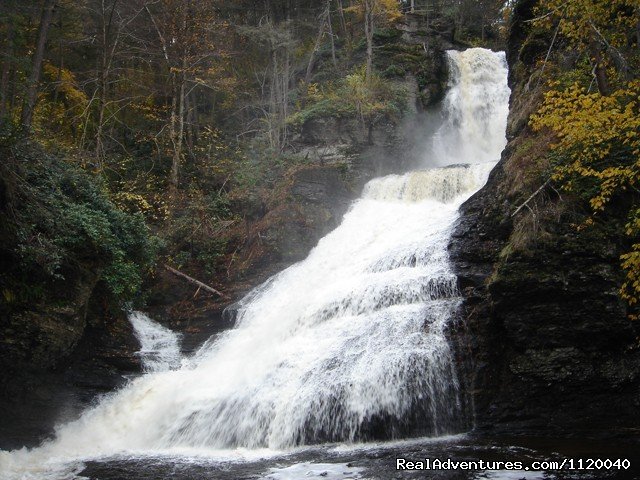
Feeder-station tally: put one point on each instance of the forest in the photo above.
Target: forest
(414, 218)
(130, 128)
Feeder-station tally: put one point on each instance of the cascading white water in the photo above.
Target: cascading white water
(159, 346)
(476, 109)
(350, 343)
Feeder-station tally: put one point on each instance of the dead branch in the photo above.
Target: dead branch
(526, 202)
(618, 58)
(198, 283)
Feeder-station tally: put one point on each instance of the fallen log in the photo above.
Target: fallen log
(189, 279)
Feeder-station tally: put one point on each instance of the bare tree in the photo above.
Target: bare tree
(275, 79)
(368, 32)
(324, 19)
(113, 22)
(186, 30)
(31, 97)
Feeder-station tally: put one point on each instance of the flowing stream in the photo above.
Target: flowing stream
(348, 345)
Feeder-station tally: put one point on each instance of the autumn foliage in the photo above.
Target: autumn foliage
(596, 120)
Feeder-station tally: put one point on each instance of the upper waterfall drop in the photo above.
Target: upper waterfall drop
(349, 344)
(475, 109)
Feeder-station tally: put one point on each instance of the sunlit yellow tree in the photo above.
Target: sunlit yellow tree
(604, 29)
(597, 152)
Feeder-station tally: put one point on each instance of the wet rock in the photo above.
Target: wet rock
(37, 395)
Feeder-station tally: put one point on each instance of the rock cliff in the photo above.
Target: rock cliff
(547, 342)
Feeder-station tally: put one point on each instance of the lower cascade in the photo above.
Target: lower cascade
(350, 344)
(159, 346)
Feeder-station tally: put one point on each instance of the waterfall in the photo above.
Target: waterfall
(475, 109)
(347, 345)
(159, 346)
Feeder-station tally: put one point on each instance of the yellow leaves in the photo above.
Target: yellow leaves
(586, 23)
(130, 202)
(389, 8)
(8, 296)
(597, 203)
(631, 265)
(148, 111)
(634, 224)
(577, 15)
(370, 96)
(589, 121)
(66, 85)
(599, 141)
(313, 92)
(630, 290)
(386, 10)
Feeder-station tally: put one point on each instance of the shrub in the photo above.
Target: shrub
(354, 97)
(60, 220)
(597, 156)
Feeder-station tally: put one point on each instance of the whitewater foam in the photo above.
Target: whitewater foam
(346, 345)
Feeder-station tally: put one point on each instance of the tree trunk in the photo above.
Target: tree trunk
(343, 23)
(60, 64)
(6, 71)
(190, 126)
(106, 59)
(333, 43)
(178, 122)
(192, 280)
(347, 33)
(316, 47)
(368, 31)
(173, 130)
(286, 74)
(600, 70)
(31, 98)
(178, 117)
(274, 133)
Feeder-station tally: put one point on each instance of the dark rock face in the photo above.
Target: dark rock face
(546, 342)
(42, 336)
(38, 392)
(310, 204)
(551, 349)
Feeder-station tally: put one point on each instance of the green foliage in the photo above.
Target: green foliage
(582, 20)
(62, 221)
(198, 236)
(394, 71)
(330, 107)
(593, 109)
(109, 105)
(386, 34)
(353, 97)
